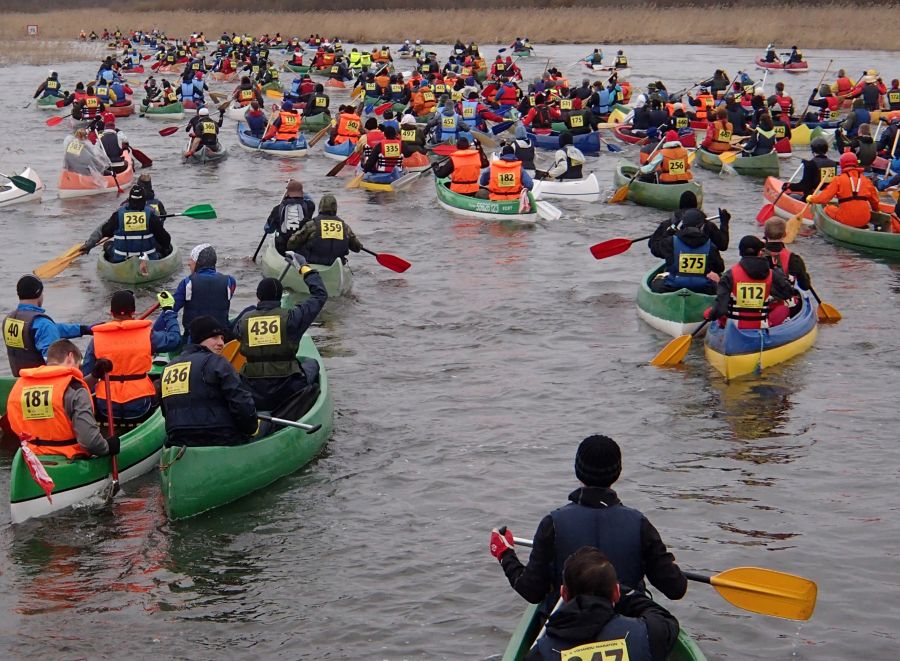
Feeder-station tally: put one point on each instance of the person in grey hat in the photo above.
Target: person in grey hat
(594, 517)
(205, 291)
(289, 215)
(28, 331)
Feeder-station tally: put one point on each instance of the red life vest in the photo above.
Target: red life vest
(391, 155)
(749, 304)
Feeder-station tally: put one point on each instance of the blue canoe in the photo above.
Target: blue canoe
(339, 152)
(283, 148)
(735, 353)
(589, 143)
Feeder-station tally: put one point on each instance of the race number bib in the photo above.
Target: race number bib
(827, 174)
(289, 120)
(408, 135)
(677, 166)
(427, 96)
(893, 97)
(321, 102)
(723, 136)
(371, 87)
(834, 115)
(332, 229)
(208, 128)
(610, 650)
(335, 69)
(246, 95)
(390, 150)
(135, 221)
(264, 331)
(692, 264)
(468, 112)
(750, 295)
(353, 125)
(565, 104)
(576, 121)
(681, 122)
(91, 102)
(176, 379)
(448, 122)
(75, 148)
(500, 67)
(195, 66)
(14, 333)
(779, 132)
(439, 88)
(36, 402)
(396, 89)
(506, 180)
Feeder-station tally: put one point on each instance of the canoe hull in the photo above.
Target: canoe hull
(884, 244)
(134, 271)
(793, 67)
(659, 196)
(751, 166)
(123, 110)
(338, 278)
(10, 194)
(586, 190)
(79, 185)
(473, 207)
(283, 148)
(675, 313)
(171, 111)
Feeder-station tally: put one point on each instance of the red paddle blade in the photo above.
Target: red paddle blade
(392, 262)
(384, 106)
(53, 121)
(169, 130)
(354, 158)
(767, 211)
(60, 104)
(609, 248)
(141, 157)
(443, 150)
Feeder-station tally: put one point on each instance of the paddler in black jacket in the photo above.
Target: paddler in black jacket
(718, 235)
(594, 517)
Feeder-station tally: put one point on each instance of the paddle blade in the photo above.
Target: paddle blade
(384, 106)
(354, 158)
(728, 157)
(501, 127)
(673, 353)
(169, 130)
(232, 353)
(767, 211)
(22, 183)
(609, 248)
(141, 158)
(767, 592)
(55, 120)
(58, 264)
(619, 195)
(333, 172)
(355, 182)
(443, 150)
(200, 212)
(547, 211)
(792, 228)
(827, 314)
(612, 148)
(392, 262)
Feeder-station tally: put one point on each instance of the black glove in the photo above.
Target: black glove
(102, 367)
(114, 445)
(86, 330)
(724, 216)
(785, 186)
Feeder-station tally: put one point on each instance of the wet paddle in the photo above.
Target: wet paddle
(141, 157)
(622, 192)
(792, 227)
(169, 130)
(309, 429)
(352, 159)
(389, 261)
(21, 183)
(675, 351)
(613, 247)
(802, 115)
(198, 211)
(259, 247)
(110, 425)
(826, 314)
(319, 135)
(57, 119)
(754, 589)
(768, 210)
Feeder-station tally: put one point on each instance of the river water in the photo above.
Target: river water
(462, 389)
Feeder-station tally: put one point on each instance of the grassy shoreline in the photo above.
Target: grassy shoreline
(845, 27)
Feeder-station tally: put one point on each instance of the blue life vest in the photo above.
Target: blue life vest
(102, 92)
(862, 117)
(119, 90)
(689, 266)
(209, 296)
(630, 630)
(187, 90)
(295, 86)
(605, 100)
(51, 88)
(448, 126)
(470, 111)
(135, 59)
(133, 235)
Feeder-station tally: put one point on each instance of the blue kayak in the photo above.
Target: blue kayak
(589, 143)
(284, 148)
(341, 151)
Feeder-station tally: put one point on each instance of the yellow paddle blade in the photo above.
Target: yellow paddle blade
(59, 264)
(792, 227)
(619, 196)
(617, 116)
(767, 592)
(274, 94)
(692, 155)
(358, 92)
(673, 353)
(354, 183)
(729, 156)
(827, 314)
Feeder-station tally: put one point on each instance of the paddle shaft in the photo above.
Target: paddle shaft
(111, 427)
(784, 190)
(309, 429)
(802, 115)
(259, 247)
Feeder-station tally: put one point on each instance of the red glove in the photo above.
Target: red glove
(707, 314)
(501, 542)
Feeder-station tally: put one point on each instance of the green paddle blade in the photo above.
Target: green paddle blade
(200, 211)
(26, 185)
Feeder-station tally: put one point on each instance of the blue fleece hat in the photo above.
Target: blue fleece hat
(287, 105)
(652, 132)
(521, 133)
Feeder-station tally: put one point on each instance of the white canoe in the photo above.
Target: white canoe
(10, 194)
(236, 113)
(586, 190)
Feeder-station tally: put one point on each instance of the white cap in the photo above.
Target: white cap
(195, 252)
(408, 119)
(418, 41)
(759, 91)
(203, 112)
(678, 106)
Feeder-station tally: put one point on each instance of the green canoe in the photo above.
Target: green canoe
(338, 278)
(527, 630)
(528, 52)
(676, 313)
(48, 102)
(751, 166)
(134, 271)
(474, 207)
(77, 480)
(658, 196)
(171, 111)
(198, 479)
(301, 69)
(884, 244)
(315, 123)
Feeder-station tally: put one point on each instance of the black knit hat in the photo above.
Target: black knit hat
(750, 246)
(122, 302)
(205, 327)
(598, 461)
(269, 289)
(28, 287)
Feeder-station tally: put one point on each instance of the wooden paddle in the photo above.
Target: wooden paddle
(389, 261)
(754, 589)
(353, 159)
(612, 247)
(110, 425)
(22, 183)
(319, 135)
(622, 192)
(768, 210)
(59, 264)
(232, 353)
(675, 351)
(355, 182)
(826, 314)
(795, 222)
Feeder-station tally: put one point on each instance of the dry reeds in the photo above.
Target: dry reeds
(844, 27)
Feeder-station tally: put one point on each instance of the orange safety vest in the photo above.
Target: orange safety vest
(706, 102)
(505, 181)
(127, 345)
(347, 128)
(245, 96)
(749, 303)
(722, 132)
(289, 126)
(466, 170)
(35, 407)
(675, 166)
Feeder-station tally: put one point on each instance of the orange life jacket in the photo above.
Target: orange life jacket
(505, 181)
(675, 166)
(466, 171)
(245, 96)
(347, 128)
(749, 304)
(722, 132)
(35, 407)
(706, 103)
(289, 126)
(127, 345)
